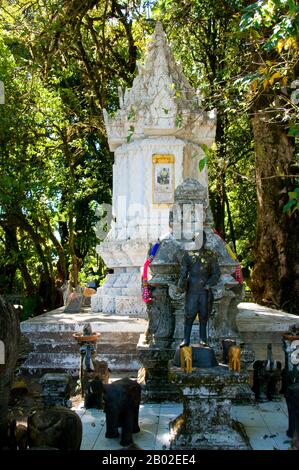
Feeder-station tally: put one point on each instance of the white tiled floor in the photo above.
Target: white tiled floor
(265, 424)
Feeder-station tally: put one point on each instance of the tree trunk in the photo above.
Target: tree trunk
(230, 223)
(10, 336)
(61, 264)
(218, 197)
(275, 274)
(217, 207)
(75, 264)
(10, 268)
(11, 233)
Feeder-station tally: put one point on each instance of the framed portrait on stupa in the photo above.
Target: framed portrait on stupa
(163, 178)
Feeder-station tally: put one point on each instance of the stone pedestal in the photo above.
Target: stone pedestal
(56, 389)
(153, 375)
(206, 421)
(121, 292)
(202, 357)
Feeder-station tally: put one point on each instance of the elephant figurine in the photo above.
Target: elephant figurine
(121, 405)
(58, 428)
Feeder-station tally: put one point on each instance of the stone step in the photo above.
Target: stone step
(51, 361)
(57, 321)
(64, 342)
(55, 349)
(61, 347)
(58, 361)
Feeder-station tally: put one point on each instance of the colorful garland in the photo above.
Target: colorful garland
(238, 271)
(145, 287)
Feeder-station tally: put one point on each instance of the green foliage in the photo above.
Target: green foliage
(30, 306)
(131, 133)
(178, 121)
(293, 204)
(92, 270)
(131, 114)
(62, 64)
(273, 29)
(54, 155)
(207, 41)
(294, 130)
(202, 163)
(280, 17)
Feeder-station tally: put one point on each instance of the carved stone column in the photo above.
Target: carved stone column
(178, 306)
(156, 347)
(154, 375)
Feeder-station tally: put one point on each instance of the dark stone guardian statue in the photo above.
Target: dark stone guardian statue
(199, 272)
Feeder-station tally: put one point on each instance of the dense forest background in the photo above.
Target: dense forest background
(62, 61)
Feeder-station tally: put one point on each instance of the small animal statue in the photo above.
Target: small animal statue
(87, 355)
(16, 436)
(226, 344)
(121, 405)
(234, 358)
(93, 395)
(266, 377)
(59, 428)
(66, 290)
(87, 331)
(186, 359)
(101, 371)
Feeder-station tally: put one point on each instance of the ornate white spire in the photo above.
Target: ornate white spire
(160, 102)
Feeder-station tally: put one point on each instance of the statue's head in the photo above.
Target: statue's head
(198, 241)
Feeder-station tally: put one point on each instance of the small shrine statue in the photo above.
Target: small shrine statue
(87, 331)
(199, 272)
(266, 378)
(87, 349)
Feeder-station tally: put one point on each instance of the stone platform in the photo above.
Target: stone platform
(261, 325)
(54, 348)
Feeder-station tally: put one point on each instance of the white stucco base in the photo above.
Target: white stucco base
(120, 294)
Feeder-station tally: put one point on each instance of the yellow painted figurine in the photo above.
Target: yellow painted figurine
(234, 356)
(186, 359)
